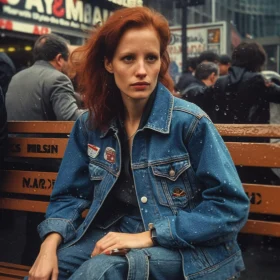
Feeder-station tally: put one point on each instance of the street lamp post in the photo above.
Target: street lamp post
(184, 4)
(184, 35)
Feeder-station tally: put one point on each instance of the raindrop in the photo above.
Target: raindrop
(217, 108)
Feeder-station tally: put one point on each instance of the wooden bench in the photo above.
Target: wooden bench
(29, 190)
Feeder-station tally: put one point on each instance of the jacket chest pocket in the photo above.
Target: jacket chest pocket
(172, 184)
(97, 175)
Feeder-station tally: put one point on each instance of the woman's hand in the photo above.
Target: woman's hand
(118, 240)
(46, 265)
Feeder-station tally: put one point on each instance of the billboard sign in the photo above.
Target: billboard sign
(70, 14)
(200, 37)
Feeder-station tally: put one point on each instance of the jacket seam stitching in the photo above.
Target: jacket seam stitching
(216, 265)
(182, 109)
(155, 163)
(191, 131)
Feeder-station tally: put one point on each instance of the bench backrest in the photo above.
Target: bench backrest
(30, 190)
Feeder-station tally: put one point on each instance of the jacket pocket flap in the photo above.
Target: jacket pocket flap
(171, 170)
(96, 172)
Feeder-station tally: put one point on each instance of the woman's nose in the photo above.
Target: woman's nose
(141, 68)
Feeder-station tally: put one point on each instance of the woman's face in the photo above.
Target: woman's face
(136, 63)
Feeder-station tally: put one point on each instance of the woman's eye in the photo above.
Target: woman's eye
(128, 58)
(152, 58)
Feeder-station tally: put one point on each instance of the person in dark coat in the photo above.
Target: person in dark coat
(7, 70)
(208, 56)
(187, 78)
(225, 63)
(206, 75)
(3, 128)
(243, 95)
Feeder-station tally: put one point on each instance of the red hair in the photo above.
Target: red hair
(102, 97)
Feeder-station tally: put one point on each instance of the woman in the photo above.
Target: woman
(152, 169)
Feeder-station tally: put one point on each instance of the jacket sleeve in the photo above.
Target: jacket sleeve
(224, 207)
(273, 93)
(63, 100)
(73, 190)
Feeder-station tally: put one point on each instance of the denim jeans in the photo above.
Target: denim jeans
(150, 263)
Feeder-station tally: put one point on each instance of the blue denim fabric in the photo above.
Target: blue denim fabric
(178, 151)
(160, 263)
(150, 263)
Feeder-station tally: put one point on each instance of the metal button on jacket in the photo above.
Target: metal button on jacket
(171, 173)
(144, 199)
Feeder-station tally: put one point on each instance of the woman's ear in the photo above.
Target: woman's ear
(108, 65)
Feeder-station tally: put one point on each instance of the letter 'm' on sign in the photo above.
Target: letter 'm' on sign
(74, 11)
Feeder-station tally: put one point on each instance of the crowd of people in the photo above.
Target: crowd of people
(155, 201)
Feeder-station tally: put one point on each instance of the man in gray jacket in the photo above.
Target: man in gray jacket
(43, 91)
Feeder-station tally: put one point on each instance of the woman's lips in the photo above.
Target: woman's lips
(140, 86)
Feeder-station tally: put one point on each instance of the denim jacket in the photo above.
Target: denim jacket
(186, 185)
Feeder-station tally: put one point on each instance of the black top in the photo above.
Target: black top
(122, 199)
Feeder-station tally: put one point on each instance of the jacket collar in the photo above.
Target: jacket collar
(160, 116)
(44, 63)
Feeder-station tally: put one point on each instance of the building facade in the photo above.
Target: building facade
(248, 19)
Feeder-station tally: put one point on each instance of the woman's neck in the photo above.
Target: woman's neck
(133, 111)
(132, 116)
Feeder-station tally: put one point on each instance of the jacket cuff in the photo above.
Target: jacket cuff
(62, 226)
(166, 234)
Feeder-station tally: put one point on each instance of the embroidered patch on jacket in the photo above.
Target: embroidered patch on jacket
(177, 192)
(110, 155)
(93, 151)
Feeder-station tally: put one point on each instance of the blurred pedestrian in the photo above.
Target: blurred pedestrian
(225, 63)
(208, 56)
(43, 91)
(3, 128)
(187, 77)
(6, 217)
(206, 75)
(165, 200)
(7, 70)
(243, 97)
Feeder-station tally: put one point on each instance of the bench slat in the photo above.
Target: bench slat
(37, 147)
(64, 127)
(15, 266)
(249, 130)
(255, 154)
(262, 228)
(28, 182)
(12, 272)
(3, 277)
(23, 205)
